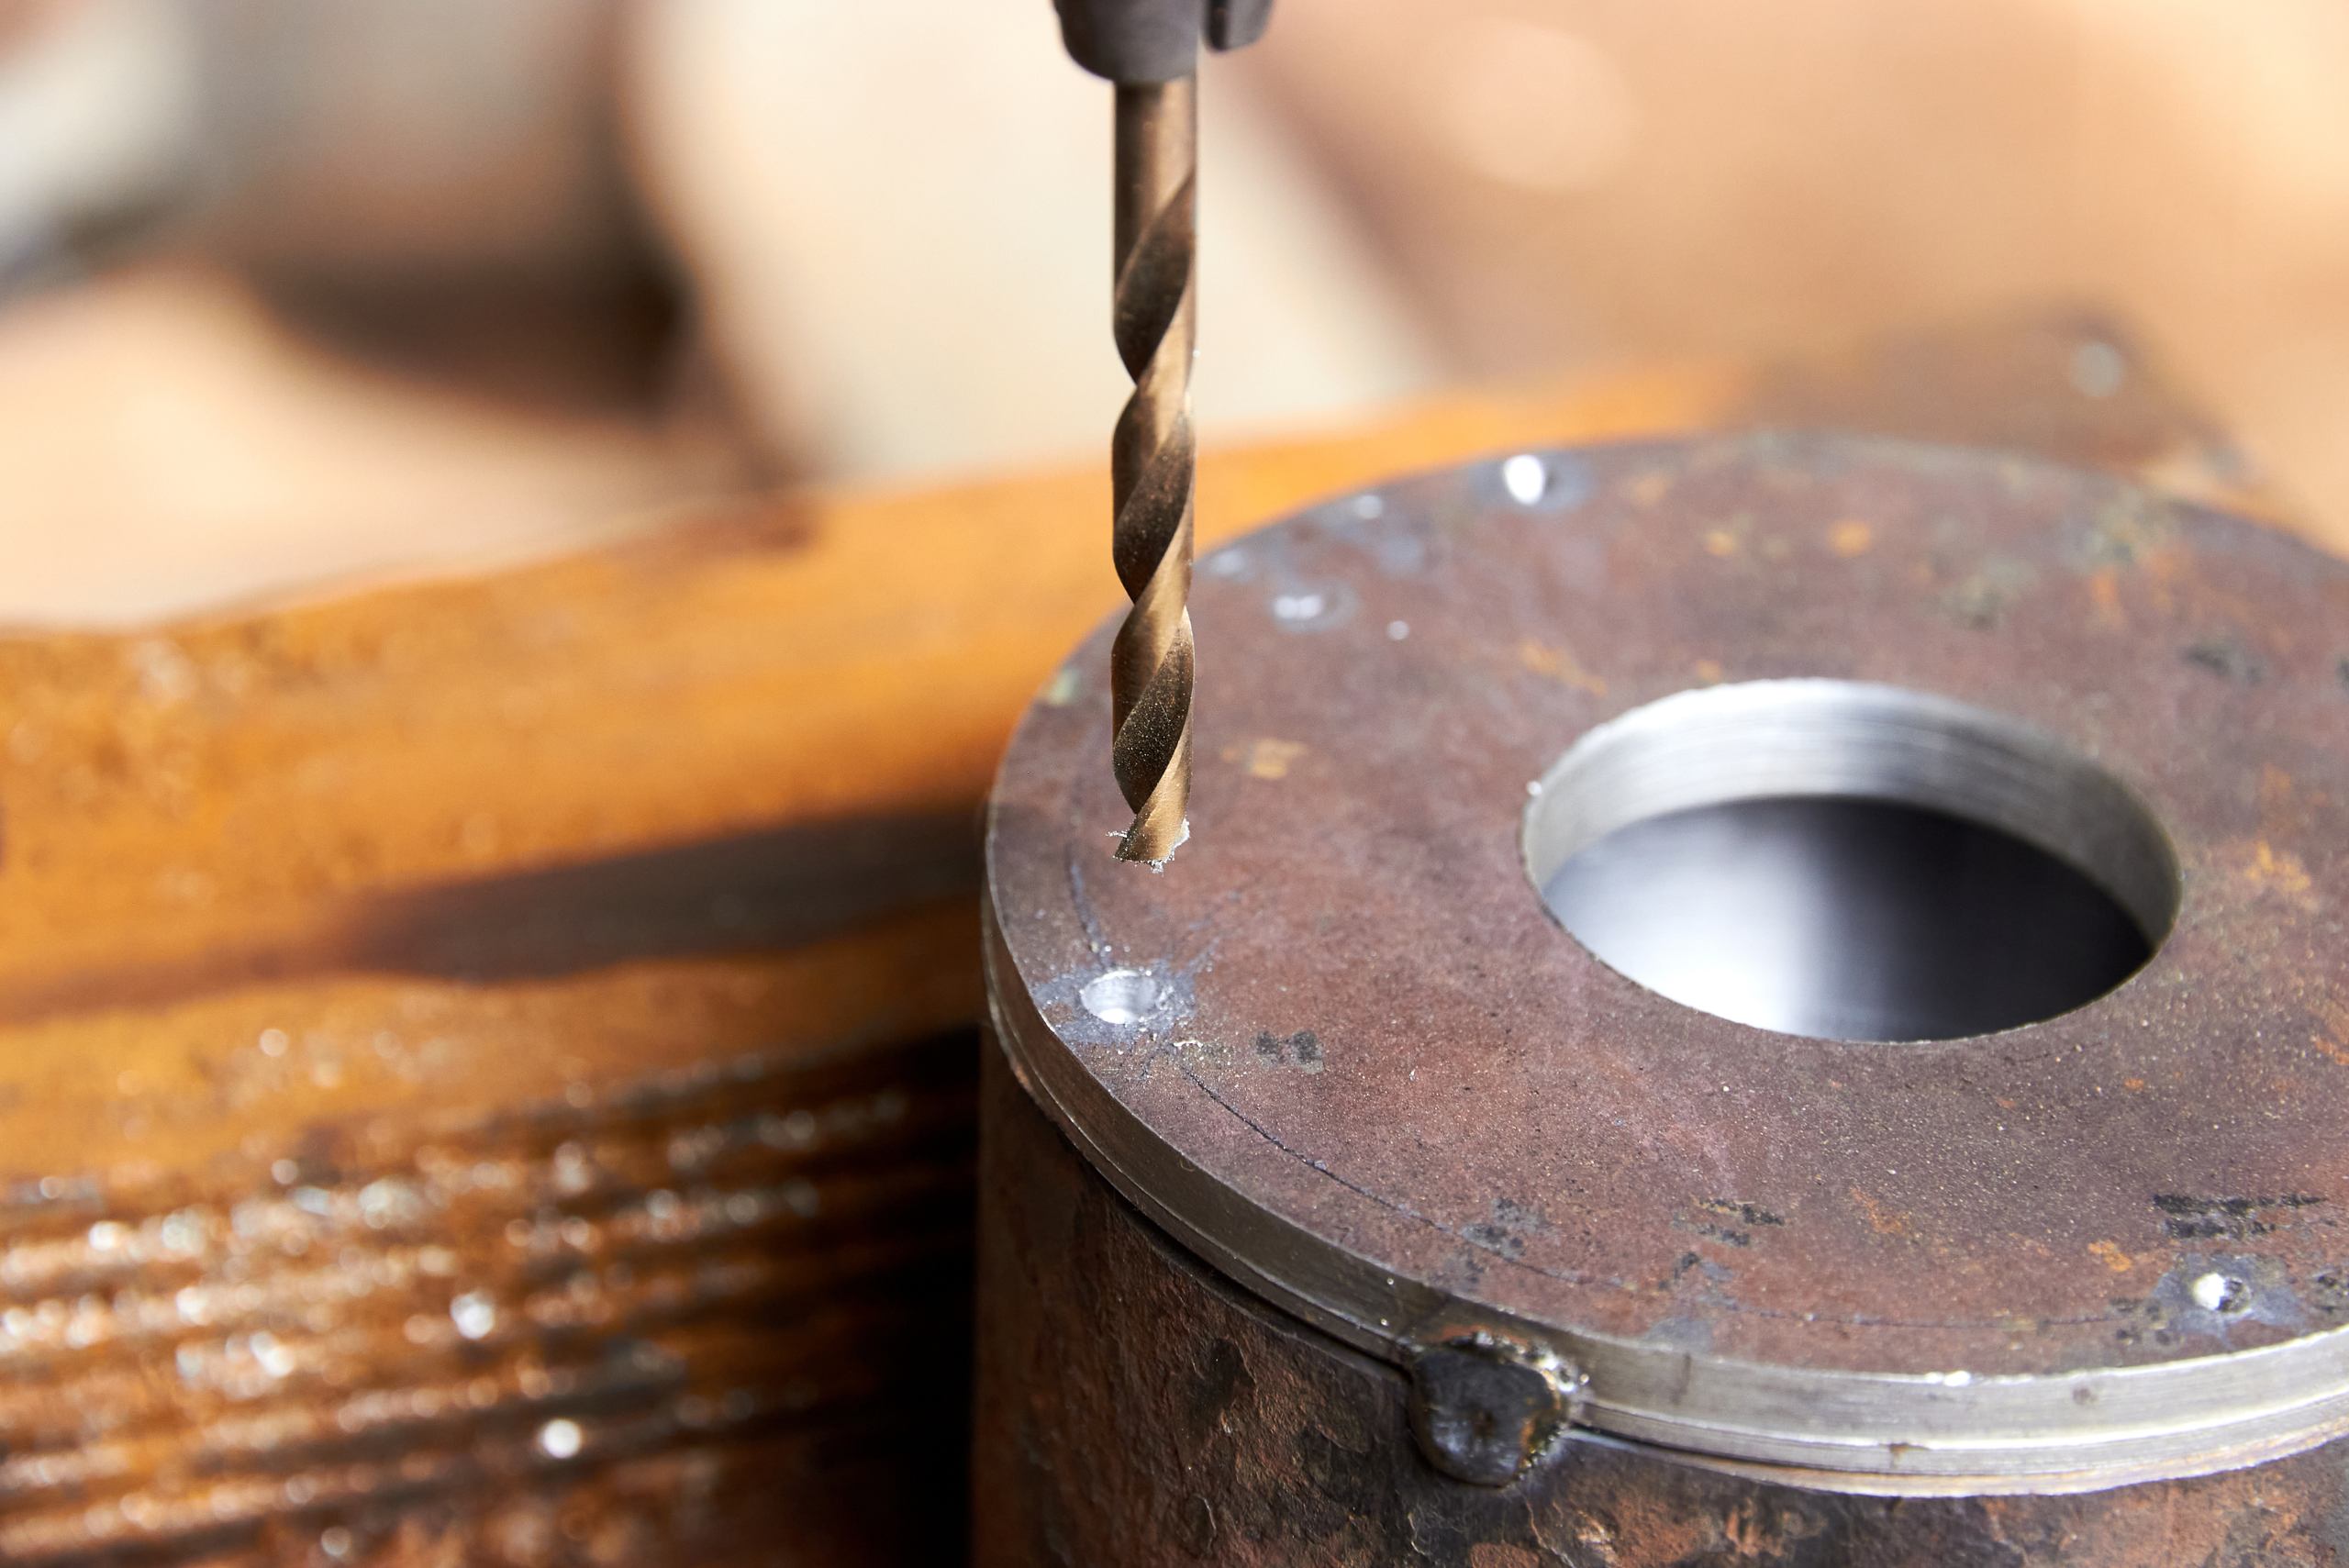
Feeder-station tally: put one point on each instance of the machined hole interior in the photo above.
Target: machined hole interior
(1850, 862)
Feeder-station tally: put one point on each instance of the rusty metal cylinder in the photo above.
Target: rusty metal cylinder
(1775, 999)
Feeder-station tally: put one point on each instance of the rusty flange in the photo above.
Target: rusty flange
(1341, 1048)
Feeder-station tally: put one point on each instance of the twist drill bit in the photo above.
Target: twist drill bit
(1149, 49)
(1153, 460)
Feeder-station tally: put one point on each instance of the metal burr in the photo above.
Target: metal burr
(1153, 459)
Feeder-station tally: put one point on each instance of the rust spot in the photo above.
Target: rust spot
(1557, 664)
(1265, 759)
(2104, 599)
(1708, 671)
(2334, 1042)
(2111, 1257)
(1649, 488)
(2277, 870)
(1720, 543)
(1882, 1220)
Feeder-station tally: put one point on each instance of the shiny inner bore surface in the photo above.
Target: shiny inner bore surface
(1850, 862)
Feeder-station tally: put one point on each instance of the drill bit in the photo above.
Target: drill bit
(1153, 460)
(1149, 49)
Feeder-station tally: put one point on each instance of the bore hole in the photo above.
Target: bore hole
(1850, 862)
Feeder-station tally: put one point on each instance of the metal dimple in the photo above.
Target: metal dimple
(2222, 1294)
(1544, 482)
(1123, 997)
(1523, 477)
(1313, 606)
(2211, 1296)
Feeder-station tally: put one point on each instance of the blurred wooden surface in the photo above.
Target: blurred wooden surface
(485, 1065)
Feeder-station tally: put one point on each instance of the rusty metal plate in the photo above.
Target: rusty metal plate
(1341, 1048)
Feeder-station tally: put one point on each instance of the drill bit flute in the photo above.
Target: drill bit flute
(1149, 49)
(1153, 459)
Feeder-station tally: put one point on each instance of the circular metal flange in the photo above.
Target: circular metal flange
(1341, 1048)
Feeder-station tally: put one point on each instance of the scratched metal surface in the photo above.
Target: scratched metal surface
(1361, 1019)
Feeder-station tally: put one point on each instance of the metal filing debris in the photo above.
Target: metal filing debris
(1150, 50)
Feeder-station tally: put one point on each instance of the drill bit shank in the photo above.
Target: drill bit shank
(1153, 459)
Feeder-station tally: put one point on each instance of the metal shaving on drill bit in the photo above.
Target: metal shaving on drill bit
(1153, 460)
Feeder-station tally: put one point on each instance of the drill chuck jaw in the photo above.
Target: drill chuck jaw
(1138, 42)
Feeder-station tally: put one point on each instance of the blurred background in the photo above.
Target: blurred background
(295, 293)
